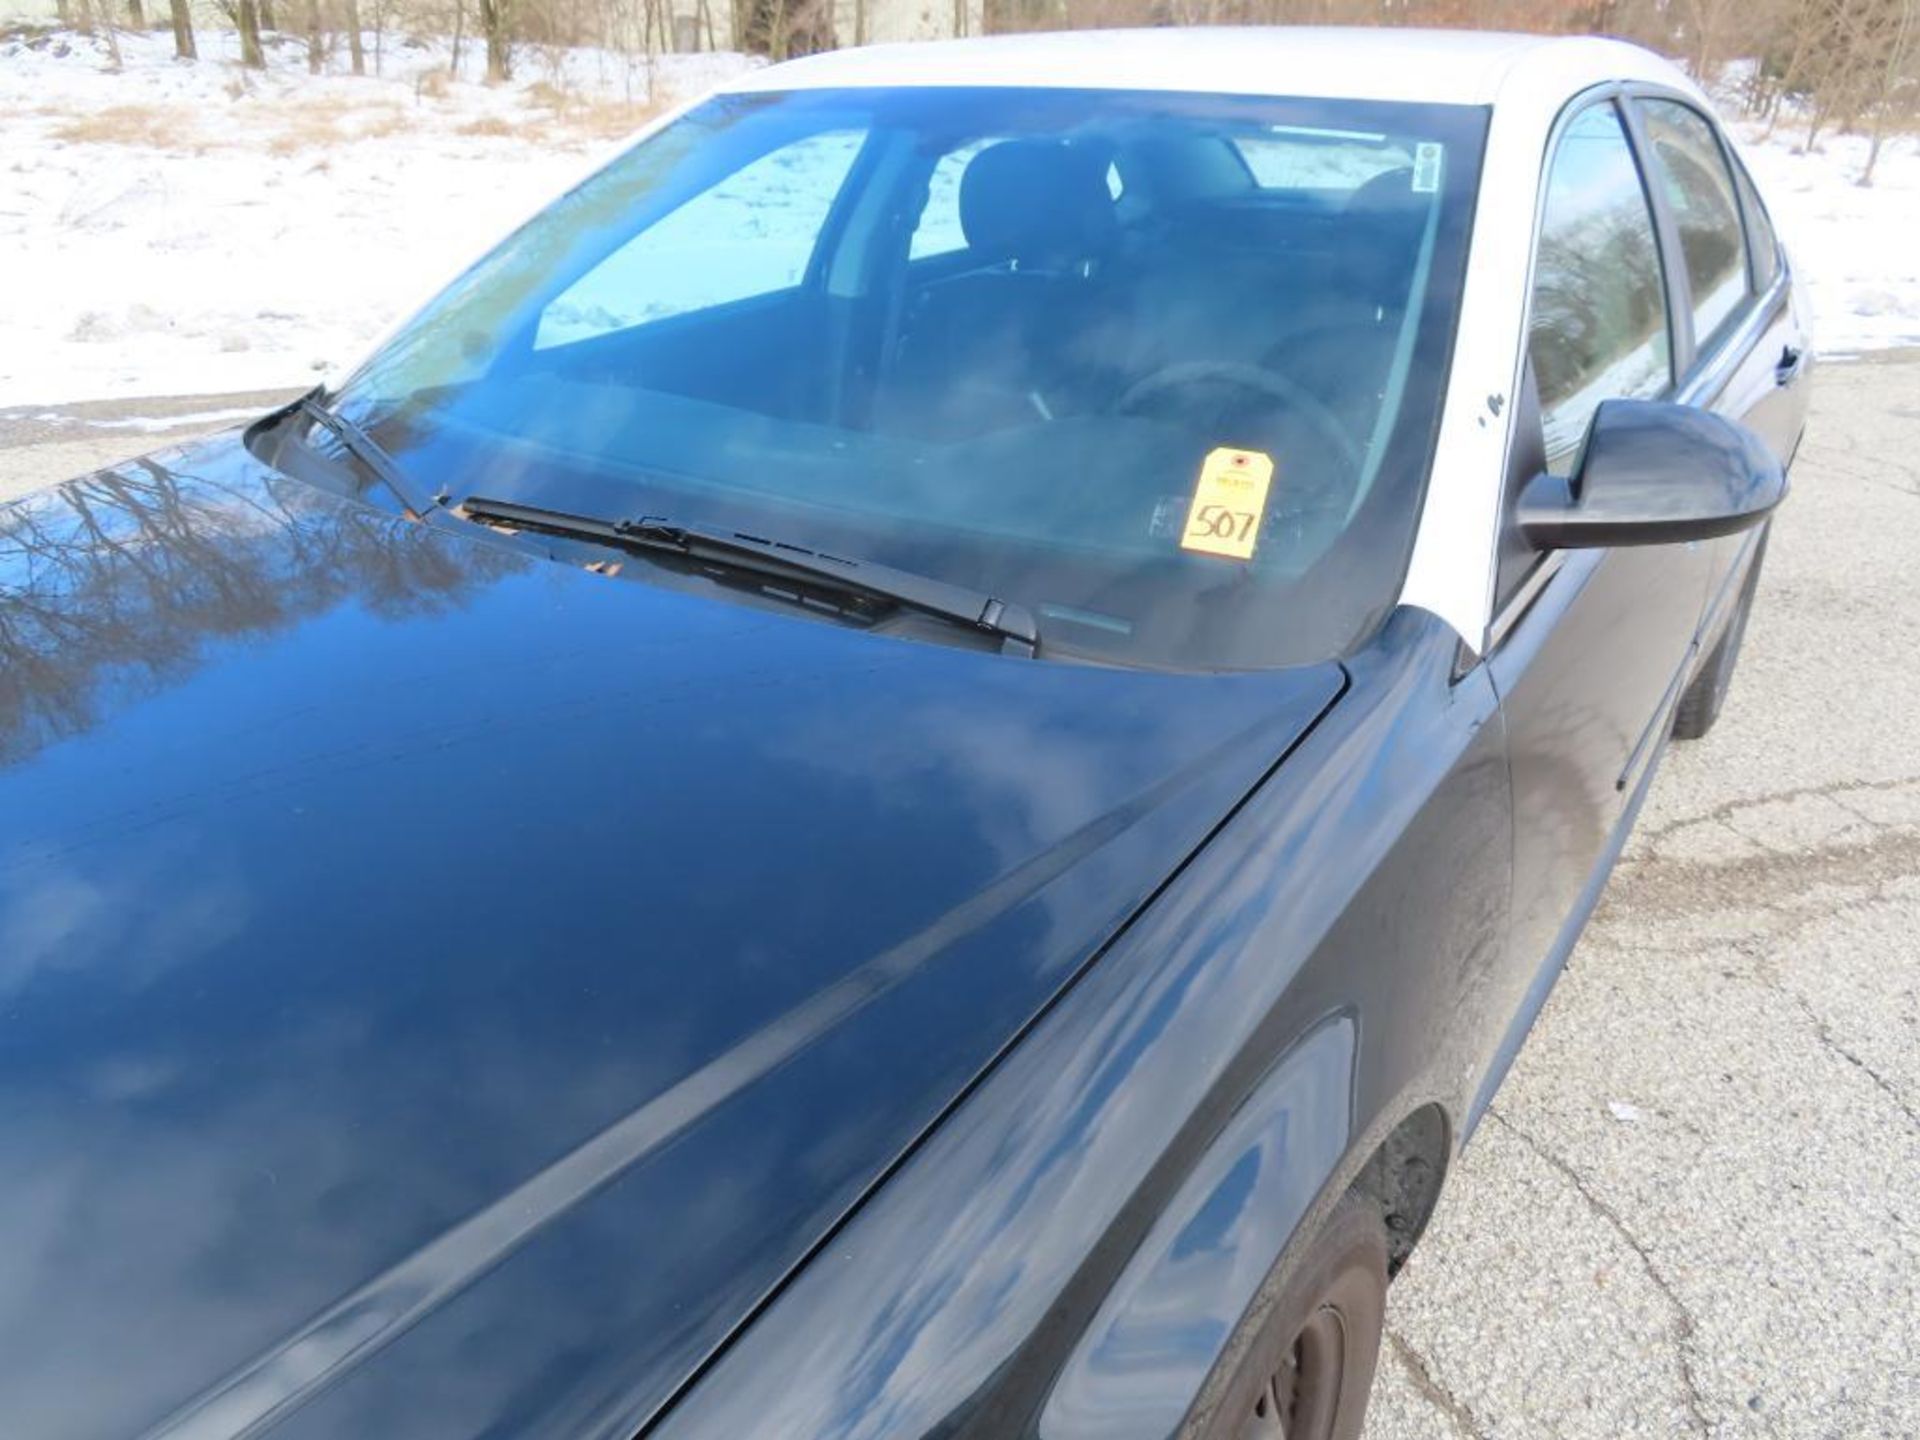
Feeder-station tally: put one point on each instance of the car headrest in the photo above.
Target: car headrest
(1389, 190)
(1037, 201)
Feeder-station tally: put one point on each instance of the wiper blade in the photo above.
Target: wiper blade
(1011, 622)
(365, 449)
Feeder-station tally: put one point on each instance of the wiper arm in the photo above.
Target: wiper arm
(1012, 622)
(365, 449)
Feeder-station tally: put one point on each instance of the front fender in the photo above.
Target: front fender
(1175, 1307)
(1047, 1257)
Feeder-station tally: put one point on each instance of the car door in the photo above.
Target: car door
(1588, 648)
(1747, 354)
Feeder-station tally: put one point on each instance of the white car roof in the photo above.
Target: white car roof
(1446, 66)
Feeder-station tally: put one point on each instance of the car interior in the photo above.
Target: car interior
(1192, 299)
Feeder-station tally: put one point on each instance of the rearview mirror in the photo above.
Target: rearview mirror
(1654, 474)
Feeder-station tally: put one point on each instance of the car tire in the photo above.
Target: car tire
(1308, 1369)
(1700, 706)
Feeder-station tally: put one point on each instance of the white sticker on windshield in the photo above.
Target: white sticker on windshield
(1426, 167)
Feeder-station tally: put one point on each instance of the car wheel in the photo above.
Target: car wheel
(1700, 705)
(1307, 1373)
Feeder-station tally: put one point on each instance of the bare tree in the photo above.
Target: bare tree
(316, 53)
(101, 23)
(496, 16)
(246, 21)
(1896, 82)
(183, 45)
(355, 46)
(379, 33)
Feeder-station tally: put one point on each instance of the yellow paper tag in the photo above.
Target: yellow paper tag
(1228, 504)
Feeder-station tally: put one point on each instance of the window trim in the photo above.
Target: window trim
(1699, 360)
(1753, 208)
(1526, 587)
(1707, 373)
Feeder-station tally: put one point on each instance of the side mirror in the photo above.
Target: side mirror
(1654, 474)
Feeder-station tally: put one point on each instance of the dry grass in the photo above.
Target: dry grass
(295, 133)
(609, 119)
(156, 127)
(491, 125)
(577, 117)
(284, 126)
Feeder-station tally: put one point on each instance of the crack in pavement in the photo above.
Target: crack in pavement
(1684, 1326)
(1828, 790)
(1420, 1371)
(1824, 1033)
(1767, 971)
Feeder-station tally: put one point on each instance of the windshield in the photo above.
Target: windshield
(1165, 369)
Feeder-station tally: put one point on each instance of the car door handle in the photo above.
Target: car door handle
(1792, 357)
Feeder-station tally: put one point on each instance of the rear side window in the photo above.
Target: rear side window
(1763, 251)
(1699, 189)
(1599, 326)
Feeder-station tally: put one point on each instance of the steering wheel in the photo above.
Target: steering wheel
(1187, 374)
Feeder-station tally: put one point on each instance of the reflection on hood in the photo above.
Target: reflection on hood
(114, 585)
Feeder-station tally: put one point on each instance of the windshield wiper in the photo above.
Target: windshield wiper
(365, 449)
(1007, 620)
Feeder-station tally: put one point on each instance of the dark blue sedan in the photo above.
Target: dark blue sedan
(906, 773)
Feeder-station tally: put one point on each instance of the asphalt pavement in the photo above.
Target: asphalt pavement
(1694, 1208)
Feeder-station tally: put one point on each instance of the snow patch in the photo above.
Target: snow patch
(195, 228)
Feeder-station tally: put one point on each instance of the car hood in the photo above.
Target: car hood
(442, 991)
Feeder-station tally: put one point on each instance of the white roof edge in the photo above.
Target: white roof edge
(1443, 66)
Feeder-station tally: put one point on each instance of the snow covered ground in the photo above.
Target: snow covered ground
(1859, 247)
(195, 228)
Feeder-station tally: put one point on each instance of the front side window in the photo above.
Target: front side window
(1027, 341)
(1599, 327)
(1699, 191)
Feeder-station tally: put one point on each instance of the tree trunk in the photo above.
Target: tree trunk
(106, 26)
(353, 38)
(136, 18)
(247, 22)
(494, 16)
(267, 22)
(183, 31)
(1890, 84)
(315, 55)
(459, 25)
(1818, 119)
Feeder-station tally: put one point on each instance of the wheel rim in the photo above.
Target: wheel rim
(1301, 1400)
